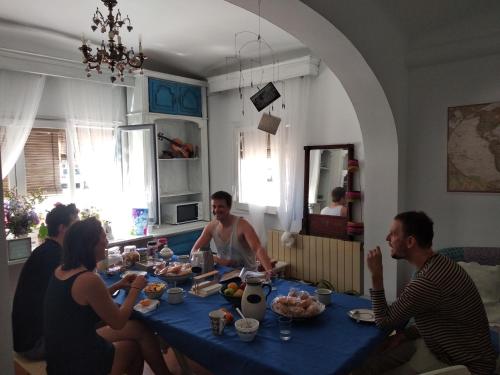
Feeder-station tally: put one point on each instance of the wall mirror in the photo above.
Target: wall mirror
(325, 168)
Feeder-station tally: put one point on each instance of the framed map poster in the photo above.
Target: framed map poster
(474, 148)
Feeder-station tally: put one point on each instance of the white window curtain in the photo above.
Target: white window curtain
(92, 112)
(314, 164)
(286, 163)
(20, 95)
(292, 139)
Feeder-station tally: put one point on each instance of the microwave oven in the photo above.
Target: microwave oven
(181, 212)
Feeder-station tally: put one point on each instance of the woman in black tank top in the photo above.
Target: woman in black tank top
(77, 299)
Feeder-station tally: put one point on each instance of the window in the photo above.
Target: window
(49, 163)
(258, 168)
(44, 155)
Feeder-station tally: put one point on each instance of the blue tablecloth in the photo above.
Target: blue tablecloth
(331, 343)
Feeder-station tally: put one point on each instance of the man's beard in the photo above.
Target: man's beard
(397, 256)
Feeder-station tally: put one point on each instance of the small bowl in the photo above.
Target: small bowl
(247, 328)
(157, 293)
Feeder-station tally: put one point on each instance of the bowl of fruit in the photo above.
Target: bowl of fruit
(232, 291)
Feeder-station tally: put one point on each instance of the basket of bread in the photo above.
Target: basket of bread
(174, 272)
(298, 305)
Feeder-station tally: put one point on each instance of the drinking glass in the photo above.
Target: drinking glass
(285, 326)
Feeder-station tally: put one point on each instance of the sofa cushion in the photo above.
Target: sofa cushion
(486, 279)
(493, 313)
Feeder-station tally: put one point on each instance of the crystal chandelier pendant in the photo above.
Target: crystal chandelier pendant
(113, 53)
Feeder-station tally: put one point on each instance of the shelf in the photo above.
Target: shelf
(179, 194)
(172, 159)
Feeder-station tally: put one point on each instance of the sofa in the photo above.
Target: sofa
(483, 266)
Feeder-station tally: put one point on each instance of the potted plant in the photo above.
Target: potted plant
(19, 211)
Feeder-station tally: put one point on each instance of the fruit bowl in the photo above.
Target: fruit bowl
(237, 288)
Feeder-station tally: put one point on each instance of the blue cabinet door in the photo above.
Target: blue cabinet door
(163, 96)
(189, 100)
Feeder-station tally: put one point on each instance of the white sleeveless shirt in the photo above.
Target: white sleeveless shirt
(233, 249)
(332, 211)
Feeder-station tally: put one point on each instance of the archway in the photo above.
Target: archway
(372, 108)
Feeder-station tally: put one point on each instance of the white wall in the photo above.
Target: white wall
(460, 218)
(332, 120)
(382, 43)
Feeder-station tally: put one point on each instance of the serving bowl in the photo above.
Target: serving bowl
(155, 290)
(234, 300)
(247, 328)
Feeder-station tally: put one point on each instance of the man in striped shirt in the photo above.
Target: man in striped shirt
(448, 311)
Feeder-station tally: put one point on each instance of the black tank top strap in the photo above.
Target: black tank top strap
(73, 277)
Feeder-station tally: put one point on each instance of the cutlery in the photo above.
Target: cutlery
(243, 316)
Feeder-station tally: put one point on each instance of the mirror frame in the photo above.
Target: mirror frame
(306, 229)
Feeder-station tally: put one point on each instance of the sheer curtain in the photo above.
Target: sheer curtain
(314, 164)
(92, 112)
(284, 166)
(20, 95)
(291, 142)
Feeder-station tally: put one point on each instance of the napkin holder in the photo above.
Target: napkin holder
(206, 284)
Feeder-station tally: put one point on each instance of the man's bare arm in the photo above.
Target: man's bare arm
(254, 243)
(204, 239)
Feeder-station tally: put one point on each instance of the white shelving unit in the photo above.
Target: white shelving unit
(178, 179)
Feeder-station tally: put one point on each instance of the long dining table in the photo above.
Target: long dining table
(331, 343)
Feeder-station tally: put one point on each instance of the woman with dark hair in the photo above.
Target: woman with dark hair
(77, 300)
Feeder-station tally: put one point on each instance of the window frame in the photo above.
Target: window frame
(239, 206)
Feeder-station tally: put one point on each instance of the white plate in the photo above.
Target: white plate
(362, 315)
(321, 309)
(132, 272)
(145, 309)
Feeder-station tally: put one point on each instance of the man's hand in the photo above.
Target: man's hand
(374, 263)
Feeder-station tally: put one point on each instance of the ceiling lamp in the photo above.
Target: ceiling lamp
(113, 53)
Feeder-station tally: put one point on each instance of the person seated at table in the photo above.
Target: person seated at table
(338, 205)
(451, 327)
(235, 239)
(77, 299)
(27, 308)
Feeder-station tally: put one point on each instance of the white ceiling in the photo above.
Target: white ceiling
(188, 37)
(194, 38)
(417, 17)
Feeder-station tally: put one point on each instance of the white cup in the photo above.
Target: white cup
(324, 296)
(217, 321)
(175, 295)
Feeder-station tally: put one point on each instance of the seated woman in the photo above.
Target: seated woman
(338, 205)
(77, 300)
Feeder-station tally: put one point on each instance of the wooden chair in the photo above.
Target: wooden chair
(23, 366)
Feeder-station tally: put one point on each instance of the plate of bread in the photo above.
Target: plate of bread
(298, 305)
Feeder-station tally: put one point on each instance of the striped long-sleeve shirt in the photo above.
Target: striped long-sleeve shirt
(448, 312)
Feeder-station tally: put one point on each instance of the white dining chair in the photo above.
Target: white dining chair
(452, 370)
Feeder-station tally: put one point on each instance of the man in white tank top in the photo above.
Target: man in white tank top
(235, 239)
(338, 205)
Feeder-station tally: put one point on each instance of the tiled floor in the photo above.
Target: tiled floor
(175, 368)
